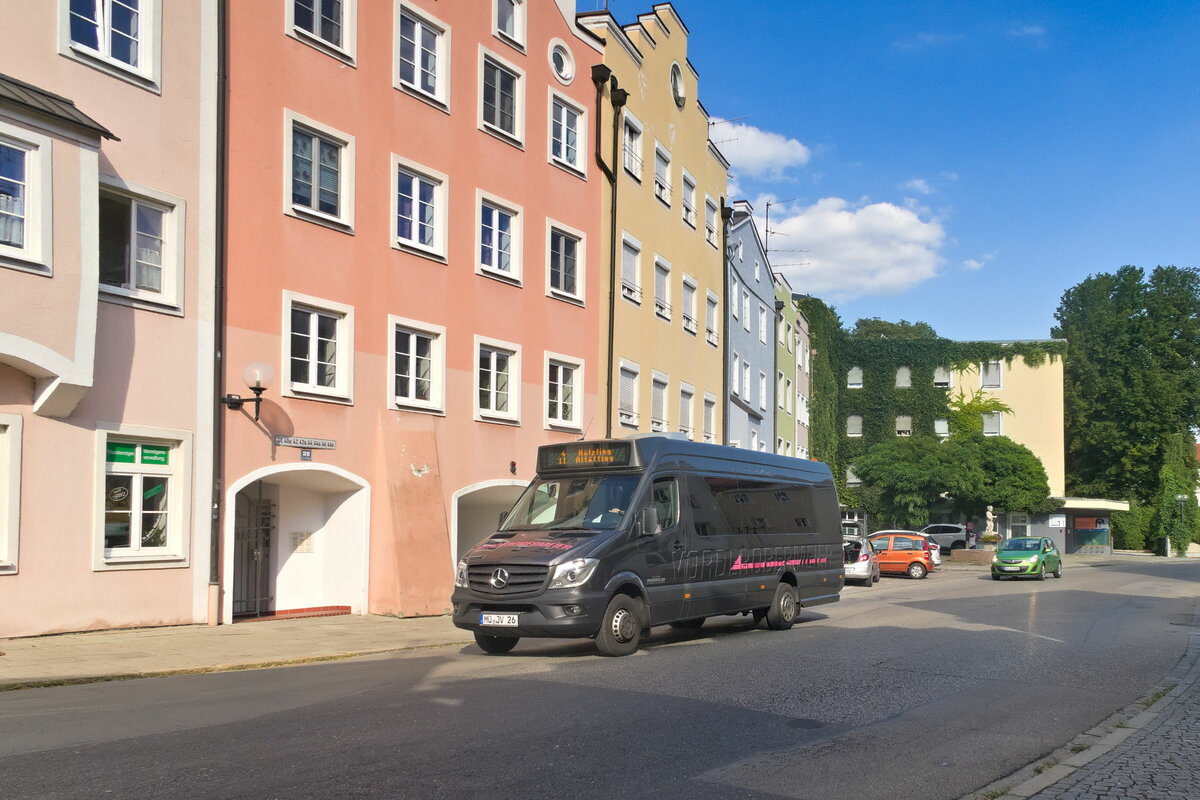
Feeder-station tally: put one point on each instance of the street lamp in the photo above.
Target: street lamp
(1181, 499)
(258, 378)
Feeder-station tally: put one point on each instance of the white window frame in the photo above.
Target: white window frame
(343, 389)
(941, 427)
(344, 219)
(687, 304)
(631, 292)
(147, 74)
(999, 419)
(578, 166)
(557, 51)
(762, 323)
(440, 96)
(552, 227)
(662, 180)
(735, 375)
(179, 511)
(708, 419)
(10, 489)
(688, 199)
(662, 304)
(710, 222)
(174, 227)
(513, 414)
(628, 417)
(346, 49)
(747, 388)
(999, 375)
(948, 382)
(789, 406)
(851, 478)
(437, 365)
(687, 410)
(441, 204)
(36, 251)
(763, 393)
(517, 135)
(755, 442)
(850, 428)
(745, 310)
(735, 290)
(520, 23)
(632, 146)
(574, 422)
(515, 273)
(903, 377)
(779, 399)
(851, 383)
(660, 385)
(802, 414)
(904, 425)
(712, 319)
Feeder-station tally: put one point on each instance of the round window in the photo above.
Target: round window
(562, 63)
(678, 90)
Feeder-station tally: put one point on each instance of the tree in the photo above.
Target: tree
(1132, 376)
(1174, 520)
(876, 328)
(966, 413)
(1011, 477)
(910, 474)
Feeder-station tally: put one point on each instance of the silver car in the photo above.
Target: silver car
(862, 564)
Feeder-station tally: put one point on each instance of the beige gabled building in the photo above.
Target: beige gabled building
(662, 233)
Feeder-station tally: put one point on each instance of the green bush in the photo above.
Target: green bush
(1131, 527)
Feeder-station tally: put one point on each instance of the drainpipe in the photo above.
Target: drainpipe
(618, 97)
(218, 450)
(726, 216)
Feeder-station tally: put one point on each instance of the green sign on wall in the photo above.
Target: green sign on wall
(121, 453)
(154, 454)
(127, 453)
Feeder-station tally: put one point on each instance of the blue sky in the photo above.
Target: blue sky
(958, 163)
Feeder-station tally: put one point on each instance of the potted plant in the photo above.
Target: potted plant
(989, 540)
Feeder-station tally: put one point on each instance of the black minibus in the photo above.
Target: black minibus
(618, 535)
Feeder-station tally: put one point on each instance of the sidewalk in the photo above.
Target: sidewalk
(142, 652)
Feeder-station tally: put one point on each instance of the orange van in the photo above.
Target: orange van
(902, 552)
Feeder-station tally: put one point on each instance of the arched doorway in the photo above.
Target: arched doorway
(296, 542)
(476, 511)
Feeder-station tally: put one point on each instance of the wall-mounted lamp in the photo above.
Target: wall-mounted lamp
(258, 377)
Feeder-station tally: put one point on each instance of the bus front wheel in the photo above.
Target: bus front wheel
(782, 612)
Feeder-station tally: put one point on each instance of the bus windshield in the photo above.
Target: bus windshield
(573, 503)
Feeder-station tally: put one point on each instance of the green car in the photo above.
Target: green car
(1030, 557)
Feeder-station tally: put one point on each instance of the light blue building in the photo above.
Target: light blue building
(750, 327)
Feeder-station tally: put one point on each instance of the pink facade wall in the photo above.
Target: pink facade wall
(414, 462)
(149, 366)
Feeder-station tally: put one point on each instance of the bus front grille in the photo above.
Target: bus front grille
(506, 579)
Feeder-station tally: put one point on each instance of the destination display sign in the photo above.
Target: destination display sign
(579, 455)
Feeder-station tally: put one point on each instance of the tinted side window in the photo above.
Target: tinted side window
(664, 497)
(880, 545)
(707, 515)
(903, 543)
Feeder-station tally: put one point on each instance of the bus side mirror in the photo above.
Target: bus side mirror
(503, 516)
(648, 521)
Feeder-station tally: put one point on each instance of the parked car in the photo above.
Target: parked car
(949, 536)
(1026, 557)
(903, 553)
(861, 562)
(935, 550)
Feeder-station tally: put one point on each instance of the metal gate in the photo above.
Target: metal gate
(253, 526)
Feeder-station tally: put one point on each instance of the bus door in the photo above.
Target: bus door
(660, 559)
(716, 579)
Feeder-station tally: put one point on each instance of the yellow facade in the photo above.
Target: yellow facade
(662, 249)
(1035, 395)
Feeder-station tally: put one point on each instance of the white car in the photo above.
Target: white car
(950, 536)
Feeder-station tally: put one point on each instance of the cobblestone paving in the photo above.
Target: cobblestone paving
(1162, 760)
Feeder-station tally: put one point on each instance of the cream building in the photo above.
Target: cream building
(662, 240)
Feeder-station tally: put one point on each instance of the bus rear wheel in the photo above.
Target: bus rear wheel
(782, 612)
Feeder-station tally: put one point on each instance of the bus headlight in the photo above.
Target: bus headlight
(460, 577)
(573, 573)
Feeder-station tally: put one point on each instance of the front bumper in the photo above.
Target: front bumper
(1016, 570)
(555, 613)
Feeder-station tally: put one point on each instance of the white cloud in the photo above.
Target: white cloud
(978, 263)
(757, 153)
(918, 185)
(858, 249)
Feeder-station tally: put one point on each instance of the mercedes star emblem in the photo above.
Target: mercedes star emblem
(500, 578)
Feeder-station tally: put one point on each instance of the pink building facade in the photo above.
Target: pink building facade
(107, 157)
(412, 263)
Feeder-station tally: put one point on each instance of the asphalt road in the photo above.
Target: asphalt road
(912, 689)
